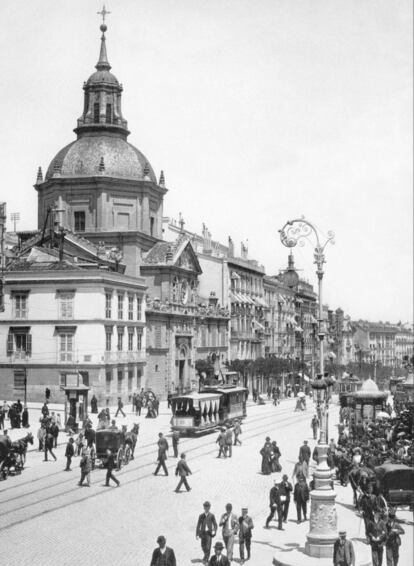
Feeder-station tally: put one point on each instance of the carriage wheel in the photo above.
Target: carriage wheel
(119, 459)
(4, 472)
(127, 455)
(383, 505)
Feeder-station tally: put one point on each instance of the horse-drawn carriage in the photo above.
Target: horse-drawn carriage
(13, 455)
(395, 482)
(120, 443)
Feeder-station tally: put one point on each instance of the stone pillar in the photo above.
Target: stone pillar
(323, 518)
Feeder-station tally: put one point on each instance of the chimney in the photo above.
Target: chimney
(231, 247)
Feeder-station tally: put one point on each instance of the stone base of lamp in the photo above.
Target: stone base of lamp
(323, 519)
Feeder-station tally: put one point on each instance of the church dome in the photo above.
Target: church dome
(102, 77)
(101, 154)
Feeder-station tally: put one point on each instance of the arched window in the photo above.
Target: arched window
(175, 289)
(96, 112)
(109, 113)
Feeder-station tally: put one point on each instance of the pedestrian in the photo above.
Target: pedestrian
(285, 489)
(47, 393)
(230, 526)
(393, 540)
(377, 535)
(266, 454)
(45, 410)
(110, 465)
(218, 558)
(183, 471)
(175, 441)
(162, 454)
(305, 452)
(69, 453)
(275, 505)
(206, 530)
(120, 407)
(245, 534)
(301, 498)
(138, 405)
(134, 403)
(94, 404)
(48, 445)
(156, 405)
(113, 425)
(343, 553)
(221, 441)
(79, 444)
(315, 426)
(54, 431)
(300, 469)
(86, 467)
(275, 454)
(254, 394)
(229, 441)
(237, 432)
(163, 555)
(59, 421)
(41, 434)
(25, 418)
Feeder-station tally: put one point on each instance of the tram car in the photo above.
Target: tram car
(207, 410)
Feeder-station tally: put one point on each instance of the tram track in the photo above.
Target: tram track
(126, 473)
(183, 441)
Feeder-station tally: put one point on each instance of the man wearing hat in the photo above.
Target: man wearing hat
(393, 540)
(304, 452)
(230, 525)
(245, 534)
(163, 555)
(377, 534)
(206, 529)
(285, 489)
(275, 505)
(343, 554)
(218, 559)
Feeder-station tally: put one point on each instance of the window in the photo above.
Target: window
(139, 308)
(157, 337)
(120, 339)
(108, 305)
(152, 224)
(130, 378)
(96, 112)
(66, 305)
(109, 113)
(120, 306)
(120, 380)
(20, 305)
(19, 343)
(139, 340)
(130, 307)
(108, 339)
(65, 347)
(79, 220)
(108, 379)
(130, 341)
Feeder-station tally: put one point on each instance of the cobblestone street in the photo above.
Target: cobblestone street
(52, 520)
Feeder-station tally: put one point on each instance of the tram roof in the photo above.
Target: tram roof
(197, 396)
(230, 389)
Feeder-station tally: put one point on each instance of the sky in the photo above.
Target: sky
(258, 111)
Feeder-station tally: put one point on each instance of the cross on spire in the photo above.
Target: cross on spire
(103, 13)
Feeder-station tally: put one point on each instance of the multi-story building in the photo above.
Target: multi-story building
(375, 342)
(404, 343)
(70, 311)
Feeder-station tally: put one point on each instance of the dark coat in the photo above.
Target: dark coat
(182, 469)
(169, 557)
(70, 451)
(206, 524)
(349, 553)
(301, 493)
(305, 453)
(274, 497)
(376, 533)
(110, 463)
(224, 561)
(285, 488)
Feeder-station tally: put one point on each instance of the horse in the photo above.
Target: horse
(131, 438)
(359, 478)
(19, 447)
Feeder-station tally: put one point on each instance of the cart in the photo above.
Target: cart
(395, 482)
(114, 440)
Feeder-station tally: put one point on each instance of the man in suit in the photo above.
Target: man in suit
(206, 529)
(315, 426)
(183, 471)
(301, 497)
(245, 534)
(275, 505)
(304, 452)
(162, 454)
(110, 465)
(230, 524)
(377, 535)
(393, 541)
(285, 489)
(219, 559)
(163, 555)
(343, 554)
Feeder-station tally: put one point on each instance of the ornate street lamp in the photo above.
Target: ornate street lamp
(323, 519)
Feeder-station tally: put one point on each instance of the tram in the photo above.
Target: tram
(347, 387)
(205, 411)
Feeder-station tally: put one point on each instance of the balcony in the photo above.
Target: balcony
(124, 357)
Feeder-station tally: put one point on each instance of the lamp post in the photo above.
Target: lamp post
(323, 519)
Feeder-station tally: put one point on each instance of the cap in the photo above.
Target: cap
(285, 477)
(161, 539)
(341, 533)
(305, 442)
(206, 504)
(245, 509)
(219, 545)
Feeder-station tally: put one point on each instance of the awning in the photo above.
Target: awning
(235, 275)
(258, 325)
(281, 300)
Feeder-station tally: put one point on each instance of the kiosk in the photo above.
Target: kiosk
(76, 404)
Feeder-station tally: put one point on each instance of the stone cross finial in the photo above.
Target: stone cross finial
(39, 178)
(103, 13)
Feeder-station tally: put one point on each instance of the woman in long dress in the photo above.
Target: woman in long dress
(266, 453)
(275, 455)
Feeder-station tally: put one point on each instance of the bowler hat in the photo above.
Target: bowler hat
(340, 533)
(161, 539)
(219, 545)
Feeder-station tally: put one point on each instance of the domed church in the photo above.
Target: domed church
(104, 188)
